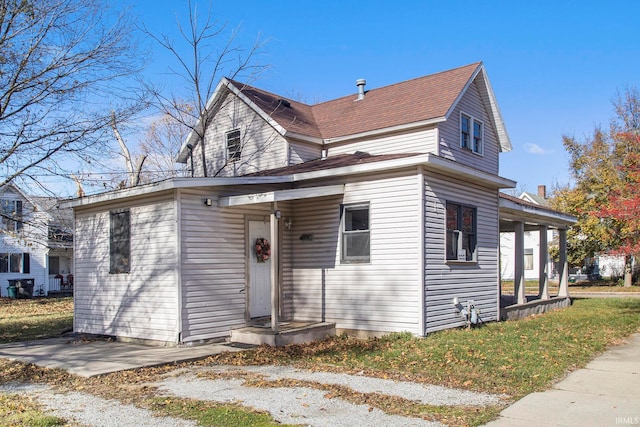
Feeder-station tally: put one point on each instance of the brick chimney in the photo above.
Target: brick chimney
(542, 191)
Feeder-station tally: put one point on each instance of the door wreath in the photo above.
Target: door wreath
(263, 249)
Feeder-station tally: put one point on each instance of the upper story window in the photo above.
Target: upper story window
(355, 234)
(11, 213)
(471, 133)
(461, 232)
(119, 242)
(234, 146)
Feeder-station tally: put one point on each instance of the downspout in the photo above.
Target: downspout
(421, 253)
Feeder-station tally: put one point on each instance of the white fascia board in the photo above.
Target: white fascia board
(429, 161)
(172, 184)
(263, 114)
(304, 138)
(281, 195)
(513, 211)
(383, 131)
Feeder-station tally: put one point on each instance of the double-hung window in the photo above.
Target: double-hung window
(461, 232)
(528, 258)
(355, 234)
(120, 242)
(234, 146)
(11, 213)
(471, 133)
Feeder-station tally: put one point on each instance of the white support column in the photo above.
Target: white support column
(518, 276)
(544, 265)
(563, 291)
(275, 253)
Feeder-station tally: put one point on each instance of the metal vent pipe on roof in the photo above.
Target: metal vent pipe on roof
(360, 83)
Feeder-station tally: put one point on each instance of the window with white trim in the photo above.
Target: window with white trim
(11, 213)
(528, 259)
(355, 234)
(15, 263)
(461, 232)
(234, 146)
(471, 133)
(119, 242)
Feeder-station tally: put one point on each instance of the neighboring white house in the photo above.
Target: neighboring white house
(27, 245)
(375, 212)
(532, 257)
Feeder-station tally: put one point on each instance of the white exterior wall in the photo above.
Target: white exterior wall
(415, 141)
(471, 104)
(213, 264)
(531, 241)
(142, 304)
(444, 280)
(262, 147)
(303, 152)
(32, 239)
(376, 296)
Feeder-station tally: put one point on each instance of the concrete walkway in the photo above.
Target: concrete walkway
(605, 393)
(88, 358)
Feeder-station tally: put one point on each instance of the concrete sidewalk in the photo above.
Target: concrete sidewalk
(605, 393)
(88, 358)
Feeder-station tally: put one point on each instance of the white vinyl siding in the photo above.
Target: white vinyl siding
(31, 239)
(262, 147)
(141, 304)
(470, 105)
(469, 280)
(213, 265)
(414, 141)
(378, 296)
(303, 152)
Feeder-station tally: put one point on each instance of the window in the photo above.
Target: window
(528, 259)
(461, 232)
(11, 212)
(54, 265)
(234, 148)
(471, 133)
(15, 263)
(355, 234)
(120, 242)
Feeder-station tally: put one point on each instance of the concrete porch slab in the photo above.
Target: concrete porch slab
(289, 333)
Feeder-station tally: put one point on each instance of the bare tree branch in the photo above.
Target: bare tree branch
(64, 65)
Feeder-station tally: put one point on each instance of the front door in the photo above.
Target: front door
(259, 271)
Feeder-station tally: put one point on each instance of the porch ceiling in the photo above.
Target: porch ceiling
(531, 216)
(281, 195)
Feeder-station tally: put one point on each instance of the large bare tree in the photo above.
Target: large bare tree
(64, 67)
(206, 50)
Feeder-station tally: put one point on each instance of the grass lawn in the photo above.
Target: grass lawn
(29, 319)
(512, 358)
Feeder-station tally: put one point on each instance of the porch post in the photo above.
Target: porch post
(518, 262)
(563, 291)
(543, 270)
(275, 284)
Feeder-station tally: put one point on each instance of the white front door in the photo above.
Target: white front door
(259, 272)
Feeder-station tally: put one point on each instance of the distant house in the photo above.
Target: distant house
(372, 213)
(28, 245)
(532, 254)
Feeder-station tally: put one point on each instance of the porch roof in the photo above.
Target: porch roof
(513, 210)
(281, 195)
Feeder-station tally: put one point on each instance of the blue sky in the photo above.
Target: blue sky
(555, 67)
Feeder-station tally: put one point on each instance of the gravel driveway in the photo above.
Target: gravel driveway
(293, 405)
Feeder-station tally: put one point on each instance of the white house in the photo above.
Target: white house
(27, 246)
(372, 213)
(532, 255)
